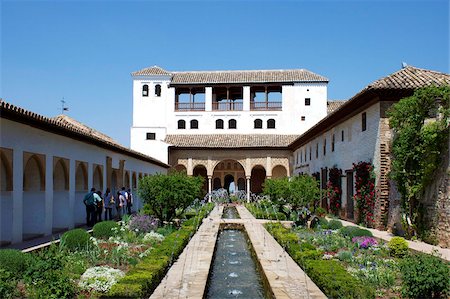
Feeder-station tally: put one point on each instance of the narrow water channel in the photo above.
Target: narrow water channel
(230, 213)
(234, 272)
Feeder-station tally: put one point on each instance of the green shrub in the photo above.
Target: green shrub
(345, 256)
(332, 278)
(14, 261)
(323, 222)
(52, 285)
(75, 239)
(425, 276)
(143, 279)
(398, 247)
(8, 285)
(306, 246)
(354, 231)
(104, 229)
(334, 224)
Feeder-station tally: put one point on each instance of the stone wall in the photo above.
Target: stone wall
(436, 202)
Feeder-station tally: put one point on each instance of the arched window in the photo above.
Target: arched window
(194, 124)
(145, 90)
(158, 90)
(271, 124)
(232, 124)
(219, 124)
(181, 124)
(258, 124)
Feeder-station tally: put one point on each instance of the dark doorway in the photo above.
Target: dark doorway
(228, 180)
(350, 207)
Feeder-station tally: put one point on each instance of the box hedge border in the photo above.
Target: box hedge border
(143, 279)
(329, 275)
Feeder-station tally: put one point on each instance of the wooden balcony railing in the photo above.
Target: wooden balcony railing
(189, 106)
(266, 106)
(227, 106)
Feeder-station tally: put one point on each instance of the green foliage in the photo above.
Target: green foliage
(329, 275)
(425, 276)
(398, 247)
(104, 229)
(345, 256)
(75, 239)
(262, 212)
(165, 193)
(334, 224)
(299, 191)
(14, 261)
(46, 276)
(142, 280)
(8, 285)
(335, 281)
(354, 231)
(418, 145)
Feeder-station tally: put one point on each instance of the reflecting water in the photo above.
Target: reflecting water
(230, 213)
(234, 273)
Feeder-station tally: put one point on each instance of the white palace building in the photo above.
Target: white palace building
(239, 127)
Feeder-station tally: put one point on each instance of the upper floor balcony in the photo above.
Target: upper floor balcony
(229, 98)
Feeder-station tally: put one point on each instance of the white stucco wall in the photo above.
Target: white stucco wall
(357, 145)
(157, 114)
(38, 212)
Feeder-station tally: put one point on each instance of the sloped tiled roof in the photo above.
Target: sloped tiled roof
(247, 76)
(333, 105)
(154, 70)
(70, 122)
(66, 126)
(257, 76)
(396, 86)
(410, 78)
(230, 140)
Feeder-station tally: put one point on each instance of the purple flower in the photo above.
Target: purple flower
(365, 242)
(143, 223)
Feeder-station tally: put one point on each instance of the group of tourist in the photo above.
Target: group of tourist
(97, 204)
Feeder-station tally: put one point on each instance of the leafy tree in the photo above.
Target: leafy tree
(166, 193)
(421, 126)
(297, 192)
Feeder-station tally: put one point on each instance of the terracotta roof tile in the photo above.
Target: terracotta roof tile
(333, 105)
(410, 78)
(230, 140)
(154, 70)
(246, 76)
(67, 126)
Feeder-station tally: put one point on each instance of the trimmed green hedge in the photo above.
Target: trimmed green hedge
(104, 229)
(143, 279)
(330, 276)
(264, 214)
(75, 239)
(354, 231)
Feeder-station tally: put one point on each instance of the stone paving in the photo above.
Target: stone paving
(414, 245)
(187, 278)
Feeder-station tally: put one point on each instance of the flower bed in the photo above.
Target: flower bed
(90, 267)
(349, 264)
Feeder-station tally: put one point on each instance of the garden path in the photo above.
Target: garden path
(414, 245)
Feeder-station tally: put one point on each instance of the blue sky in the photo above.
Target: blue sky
(84, 51)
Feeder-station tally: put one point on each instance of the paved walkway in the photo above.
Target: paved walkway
(187, 278)
(415, 245)
(286, 278)
(188, 275)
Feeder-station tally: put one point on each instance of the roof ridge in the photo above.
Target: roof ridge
(240, 71)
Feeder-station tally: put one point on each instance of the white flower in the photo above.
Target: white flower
(152, 236)
(99, 278)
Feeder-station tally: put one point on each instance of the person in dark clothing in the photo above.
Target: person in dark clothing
(89, 202)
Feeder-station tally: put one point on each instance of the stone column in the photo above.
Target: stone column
(72, 175)
(17, 196)
(90, 168)
(209, 187)
(246, 93)
(208, 98)
(269, 167)
(248, 188)
(190, 169)
(48, 217)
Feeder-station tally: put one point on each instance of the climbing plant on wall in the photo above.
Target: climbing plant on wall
(421, 126)
(365, 195)
(334, 189)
